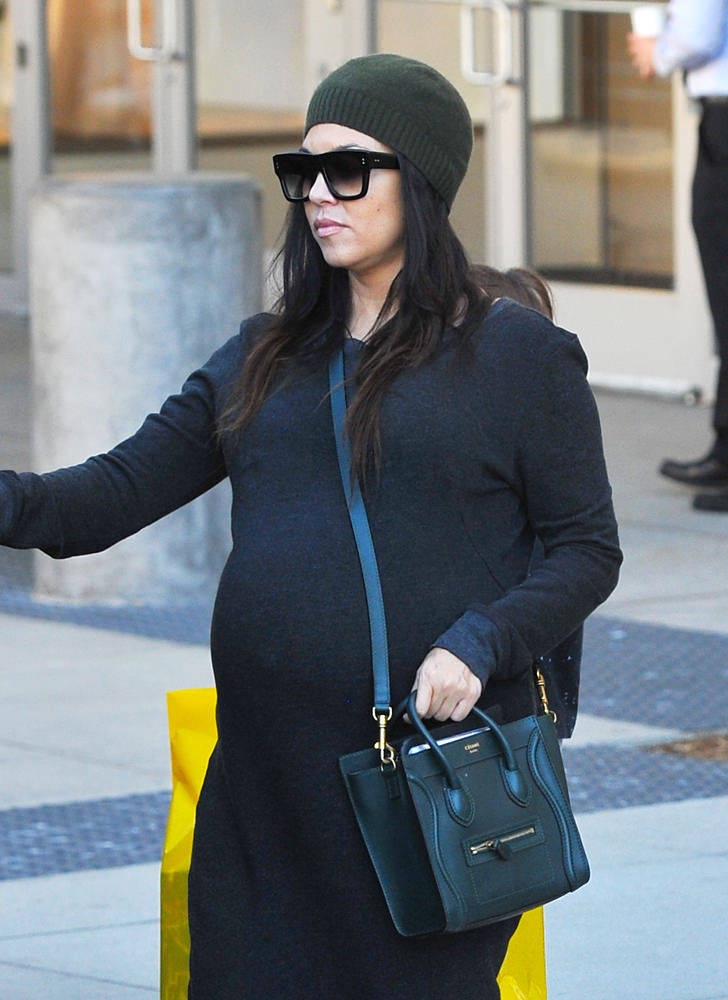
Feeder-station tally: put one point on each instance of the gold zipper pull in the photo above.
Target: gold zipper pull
(502, 845)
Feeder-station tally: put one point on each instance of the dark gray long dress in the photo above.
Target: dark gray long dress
(480, 456)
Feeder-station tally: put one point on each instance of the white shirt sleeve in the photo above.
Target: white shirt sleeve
(696, 33)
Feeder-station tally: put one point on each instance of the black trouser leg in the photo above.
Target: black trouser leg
(710, 222)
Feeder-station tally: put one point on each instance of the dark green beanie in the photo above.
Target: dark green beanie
(404, 104)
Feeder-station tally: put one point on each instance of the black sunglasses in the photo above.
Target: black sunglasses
(346, 172)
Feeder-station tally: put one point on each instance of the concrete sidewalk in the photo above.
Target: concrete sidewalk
(83, 720)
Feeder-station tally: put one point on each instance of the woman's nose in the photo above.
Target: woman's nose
(320, 190)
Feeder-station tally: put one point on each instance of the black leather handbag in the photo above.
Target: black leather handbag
(465, 825)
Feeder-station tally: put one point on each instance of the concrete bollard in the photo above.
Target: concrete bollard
(134, 282)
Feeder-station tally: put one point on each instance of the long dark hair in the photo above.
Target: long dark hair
(436, 289)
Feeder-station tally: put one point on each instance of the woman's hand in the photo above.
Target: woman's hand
(446, 687)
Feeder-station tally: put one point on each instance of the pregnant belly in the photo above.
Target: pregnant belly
(291, 610)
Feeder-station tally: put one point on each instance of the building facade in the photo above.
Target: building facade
(580, 169)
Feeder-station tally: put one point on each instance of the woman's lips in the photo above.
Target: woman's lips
(327, 227)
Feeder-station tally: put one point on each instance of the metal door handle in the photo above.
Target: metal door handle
(169, 47)
(503, 72)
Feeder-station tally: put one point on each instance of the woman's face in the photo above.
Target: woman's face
(365, 236)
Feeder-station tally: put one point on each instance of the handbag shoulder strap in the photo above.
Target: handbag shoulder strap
(367, 557)
(363, 537)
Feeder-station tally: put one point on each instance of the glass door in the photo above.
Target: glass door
(608, 180)
(581, 170)
(100, 95)
(251, 96)
(478, 46)
(251, 93)
(72, 98)
(601, 177)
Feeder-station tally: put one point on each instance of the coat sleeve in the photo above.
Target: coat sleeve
(562, 482)
(173, 458)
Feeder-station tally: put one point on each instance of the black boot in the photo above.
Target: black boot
(716, 501)
(708, 471)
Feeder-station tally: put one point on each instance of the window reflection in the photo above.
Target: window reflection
(100, 95)
(601, 156)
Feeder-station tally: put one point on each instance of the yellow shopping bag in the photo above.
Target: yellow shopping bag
(523, 974)
(192, 734)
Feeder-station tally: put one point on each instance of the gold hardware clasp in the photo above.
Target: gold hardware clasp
(387, 756)
(541, 685)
